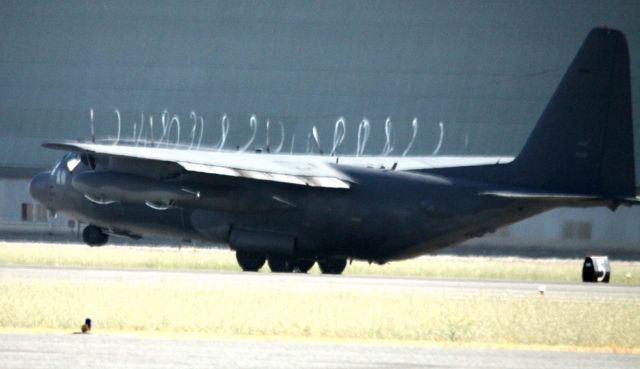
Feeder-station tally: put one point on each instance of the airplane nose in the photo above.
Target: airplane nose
(39, 187)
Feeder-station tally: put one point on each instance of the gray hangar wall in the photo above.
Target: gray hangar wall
(485, 69)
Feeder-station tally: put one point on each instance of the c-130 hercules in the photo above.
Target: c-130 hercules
(295, 210)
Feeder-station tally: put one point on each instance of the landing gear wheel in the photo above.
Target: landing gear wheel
(280, 264)
(332, 266)
(304, 265)
(93, 236)
(596, 269)
(250, 261)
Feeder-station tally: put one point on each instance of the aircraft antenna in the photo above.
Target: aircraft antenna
(363, 136)
(339, 132)
(141, 128)
(267, 144)
(151, 128)
(224, 126)
(389, 138)
(174, 119)
(163, 121)
(117, 112)
(316, 139)
(253, 124)
(201, 120)
(193, 128)
(437, 149)
(93, 127)
(414, 125)
(279, 148)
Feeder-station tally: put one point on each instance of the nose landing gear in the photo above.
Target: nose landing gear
(94, 236)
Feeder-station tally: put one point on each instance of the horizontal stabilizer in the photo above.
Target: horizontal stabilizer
(560, 197)
(539, 196)
(632, 201)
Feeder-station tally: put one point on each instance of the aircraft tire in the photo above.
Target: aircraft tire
(332, 266)
(304, 265)
(94, 236)
(280, 264)
(250, 261)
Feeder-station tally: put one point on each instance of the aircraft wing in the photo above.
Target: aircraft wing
(276, 168)
(306, 170)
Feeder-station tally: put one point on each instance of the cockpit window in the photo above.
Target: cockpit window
(72, 162)
(68, 162)
(58, 171)
(56, 166)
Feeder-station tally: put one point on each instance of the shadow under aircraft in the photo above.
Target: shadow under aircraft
(293, 211)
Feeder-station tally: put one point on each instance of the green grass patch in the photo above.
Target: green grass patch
(188, 304)
(191, 305)
(498, 268)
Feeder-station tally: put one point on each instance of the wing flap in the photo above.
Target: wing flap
(325, 182)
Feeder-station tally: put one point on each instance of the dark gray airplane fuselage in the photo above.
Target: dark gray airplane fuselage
(388, 215)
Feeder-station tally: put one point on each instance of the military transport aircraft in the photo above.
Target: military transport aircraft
(293, 211)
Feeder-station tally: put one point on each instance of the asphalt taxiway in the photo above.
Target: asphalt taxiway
(117, 351)
(314, 281)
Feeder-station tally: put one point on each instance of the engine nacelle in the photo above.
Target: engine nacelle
(108, 186)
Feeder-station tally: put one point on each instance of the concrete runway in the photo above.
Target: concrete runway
(35, 351)
(315, 281)
(121, 351)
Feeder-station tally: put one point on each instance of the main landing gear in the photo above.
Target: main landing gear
(252, 262)
(332, 266)
(94, 236)
(249, 261)
(596, 269)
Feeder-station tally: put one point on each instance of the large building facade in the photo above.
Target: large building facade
(475, 75)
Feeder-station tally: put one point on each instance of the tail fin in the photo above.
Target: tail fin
(582, 145)
(583, 142)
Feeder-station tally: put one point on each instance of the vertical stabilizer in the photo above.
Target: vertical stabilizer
(583, 142)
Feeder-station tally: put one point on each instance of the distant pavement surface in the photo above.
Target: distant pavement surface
(347, 282)
(55, 351)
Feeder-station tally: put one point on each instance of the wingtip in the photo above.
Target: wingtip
(62, 145)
